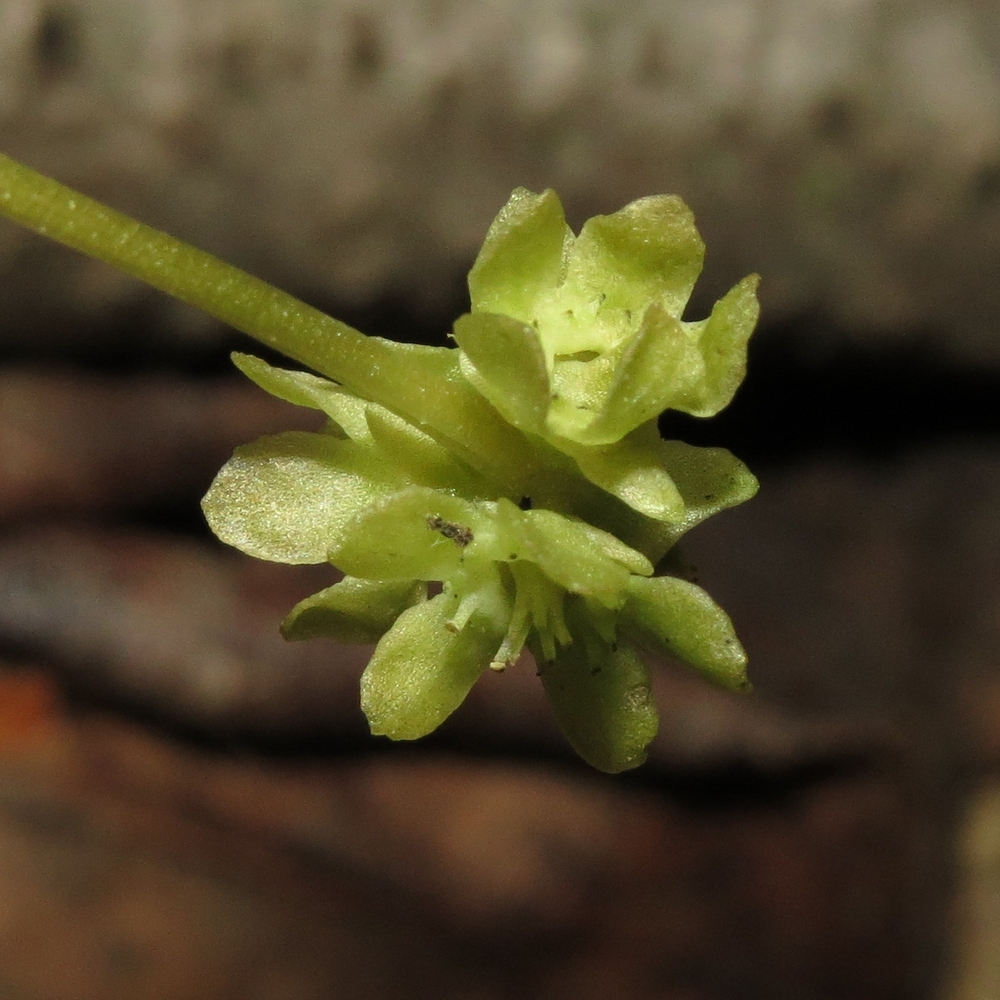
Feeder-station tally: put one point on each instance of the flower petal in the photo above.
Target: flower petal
(632, 470)
(303, 389)
(709, 480)
(577, 556)
(523, 256)
(722, 342)
(418, 456)
(649, 251)
(415, 534)
(602, 700)
(678, 618)
(425, 387)
(503, 358)
(289, 497)
(352, 610)
(422, 670)
(660, 362)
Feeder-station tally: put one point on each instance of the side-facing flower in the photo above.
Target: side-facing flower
(513, 493)
(454, 564)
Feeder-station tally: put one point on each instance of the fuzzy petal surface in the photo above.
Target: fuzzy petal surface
(290, 497)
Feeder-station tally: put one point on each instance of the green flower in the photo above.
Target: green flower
(456, 558)
(580, 340)
(511, 493)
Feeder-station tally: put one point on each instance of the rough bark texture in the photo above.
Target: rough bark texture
(849, 151)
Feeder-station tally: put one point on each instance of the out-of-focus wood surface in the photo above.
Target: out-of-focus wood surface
(190, 807)
(132, 865)
(848, 152)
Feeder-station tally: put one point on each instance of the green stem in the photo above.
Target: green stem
(223, 291)
(398, 376)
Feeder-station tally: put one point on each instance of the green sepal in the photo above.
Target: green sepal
(678, 618)
(576, 555)
(601, 697)
(722, 344)
(352, 610)
(422, 669)
(523, 256)
(503, 358)
(709, 480)
(418, 456)
(345, 410)
(632, 470)
(290, 497)
(415, 534)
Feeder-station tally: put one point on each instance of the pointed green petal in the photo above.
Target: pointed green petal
(503, 359)
(709, 480)
(523, 256)
(422, 670)
(289, 497)
(303, 389)
(418, 456)
(723, 345)
(557, 529)
(680, 619)
(429, 395)
(577, 556)
(352, 610)
(656, 365)
(602, 701)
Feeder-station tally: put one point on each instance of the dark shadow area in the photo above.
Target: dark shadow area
(853, 399)
(875, 400)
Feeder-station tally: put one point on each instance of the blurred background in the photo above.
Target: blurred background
(190, 808)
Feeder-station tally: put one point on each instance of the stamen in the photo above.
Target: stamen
(467, 607)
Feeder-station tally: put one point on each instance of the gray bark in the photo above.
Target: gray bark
(849, 150)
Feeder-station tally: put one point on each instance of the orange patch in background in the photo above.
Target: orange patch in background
(29, 707)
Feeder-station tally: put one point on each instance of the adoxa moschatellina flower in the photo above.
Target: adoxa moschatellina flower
(511, 493)
(574, 346)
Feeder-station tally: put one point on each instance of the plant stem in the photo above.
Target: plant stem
(407, 379)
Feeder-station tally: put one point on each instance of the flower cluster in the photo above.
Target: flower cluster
(514, 492)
